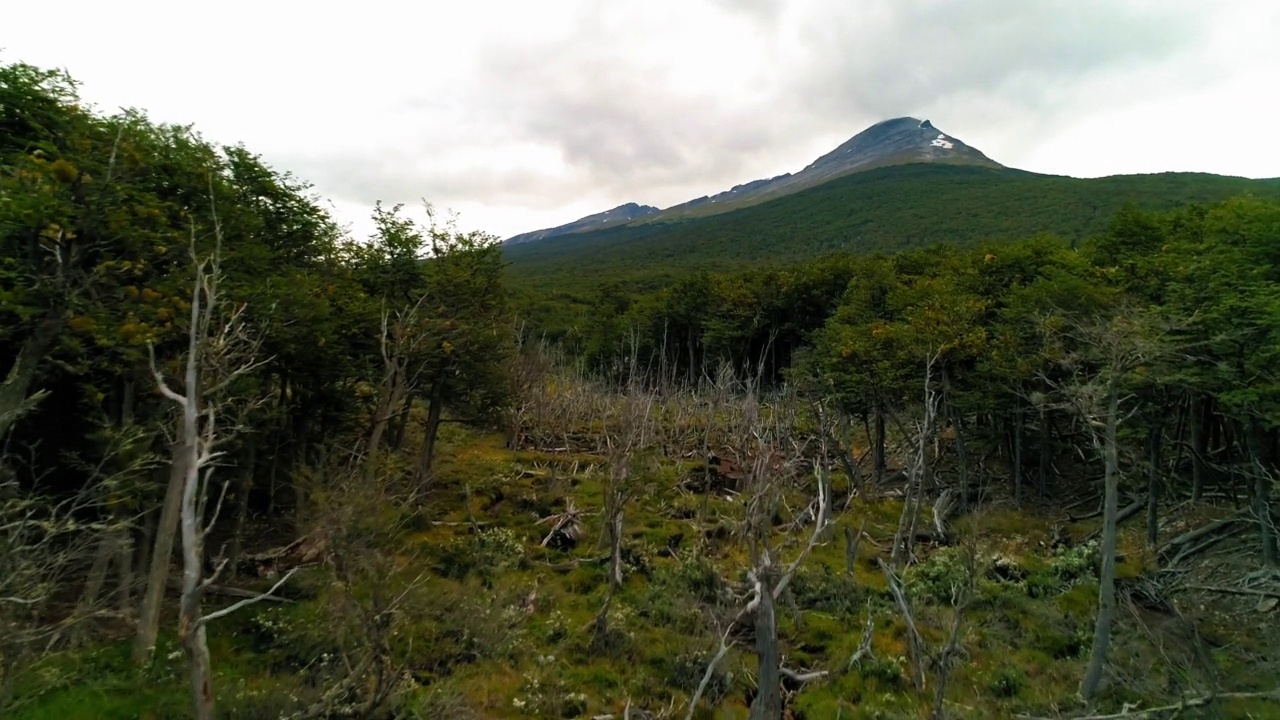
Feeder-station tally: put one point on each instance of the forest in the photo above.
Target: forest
(254, 467)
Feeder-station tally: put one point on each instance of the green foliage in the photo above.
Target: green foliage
(1006, 681)
(486, 553)
(826, 590)
(941, 577)
(883, 210)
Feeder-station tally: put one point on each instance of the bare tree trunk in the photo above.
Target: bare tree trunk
(768, 701)
(1154, 438)
(144, 541)
(962, 451)
(879, 461)
(97, 573)
(16, 388)
(242, 509)
(615, 545)
(124, 563)
(1017, 450)
(394, 390)
(427, 457)
(190, 630)
(401, 422)
(1199, 445)
(1107, 578)
(1046, 446)
(161, 554)
(1262, 478)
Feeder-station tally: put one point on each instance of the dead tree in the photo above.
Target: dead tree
(221, 349)
(1099, 358)
(43, 543)
(765, 484)
(399, 341)
(904, 538)
(630, 436)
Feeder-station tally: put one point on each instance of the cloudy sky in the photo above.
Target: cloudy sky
(522, 114)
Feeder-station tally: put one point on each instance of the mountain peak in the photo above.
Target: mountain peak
(896, 141)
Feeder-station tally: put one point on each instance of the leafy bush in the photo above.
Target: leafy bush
(825, 590)
(1007, 681)
(486, 553)
(1067, 567)
(1075, 563)
(938, 577)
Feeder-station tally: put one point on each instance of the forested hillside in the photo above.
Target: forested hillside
(251, 467)
(884, 210)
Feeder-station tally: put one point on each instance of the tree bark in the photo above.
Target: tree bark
(16, 388)
(161, 554)
(879, 461)
(394, 390)
(1107, 578)
(143, 543)
(1017, 450)
(1154, 441)
(97, 573)
(427, 457)
(401, 422)
(768, 701)
(1046, 449)
(1199, 446)
(242, 508)
(1262, 477)
(124, 562)
(962, 451)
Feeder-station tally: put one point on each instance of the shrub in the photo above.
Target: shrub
(1007, 681)
(938, 577)
(827, 591)
(486, 553)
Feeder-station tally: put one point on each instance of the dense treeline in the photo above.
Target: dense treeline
(1007, 329)
(140, 263)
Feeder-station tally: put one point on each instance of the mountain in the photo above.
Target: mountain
(620, 214)
(892, 142)
(900, 141)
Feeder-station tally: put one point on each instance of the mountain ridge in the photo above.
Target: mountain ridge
(625, 212)
(897, 141)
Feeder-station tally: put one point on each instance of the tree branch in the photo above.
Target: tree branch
(1273, 695)
(247, 601)
(711, 666)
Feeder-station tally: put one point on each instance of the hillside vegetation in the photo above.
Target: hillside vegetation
(883, 210)
(251, 467)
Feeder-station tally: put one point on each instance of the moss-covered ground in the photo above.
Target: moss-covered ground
(506, 627)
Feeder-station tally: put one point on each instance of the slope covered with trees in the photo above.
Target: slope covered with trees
(251, 467)
(884, 210)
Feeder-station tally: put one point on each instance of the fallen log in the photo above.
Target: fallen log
(1235, 591)
(1128, 512)
(1176, 708)
(1192, 536)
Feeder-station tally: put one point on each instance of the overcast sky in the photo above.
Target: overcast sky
(521, 115)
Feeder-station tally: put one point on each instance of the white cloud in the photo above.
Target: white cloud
(522, 115)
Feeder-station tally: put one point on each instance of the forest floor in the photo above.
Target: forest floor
(509, 628)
